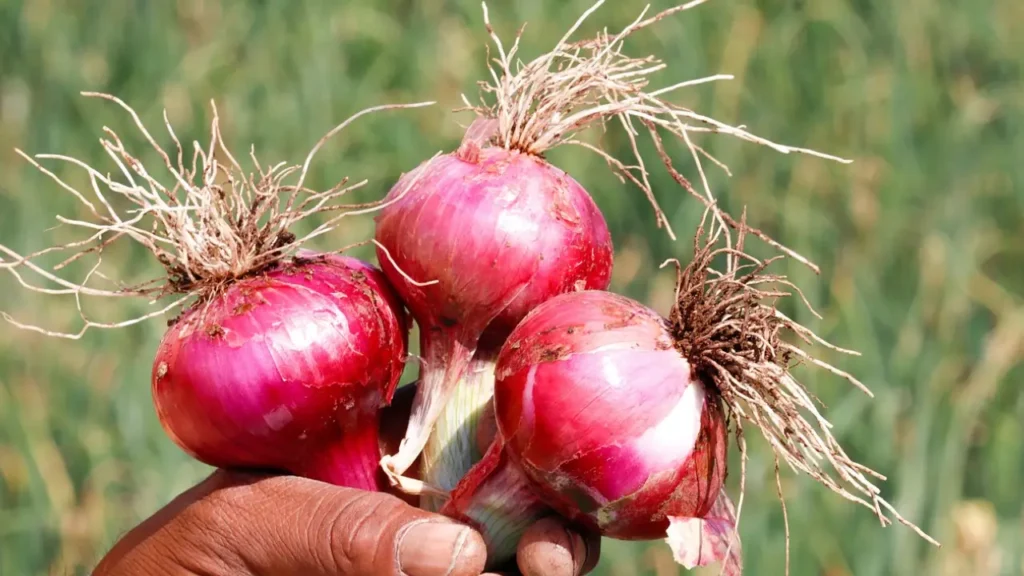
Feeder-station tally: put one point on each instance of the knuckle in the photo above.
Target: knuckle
(358, 531)
(351, 533)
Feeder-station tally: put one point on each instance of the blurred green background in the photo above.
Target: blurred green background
(920, 241)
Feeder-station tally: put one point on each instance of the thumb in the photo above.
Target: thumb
(293, 525)
(238, 523)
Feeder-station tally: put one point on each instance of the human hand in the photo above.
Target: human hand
(242, 523)
(236, 523)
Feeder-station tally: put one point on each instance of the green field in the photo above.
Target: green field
(920, 240)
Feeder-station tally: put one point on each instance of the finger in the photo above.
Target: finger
(290, 525)
(551, 548)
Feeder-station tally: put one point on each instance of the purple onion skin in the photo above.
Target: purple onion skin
(606, 418)
(286, 370)
(499, 232)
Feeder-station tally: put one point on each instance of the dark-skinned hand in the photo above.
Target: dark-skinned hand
(238, 523)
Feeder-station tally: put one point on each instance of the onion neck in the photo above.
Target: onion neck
(352, 458)
(453, 447)
(496, 499)
(446, 357)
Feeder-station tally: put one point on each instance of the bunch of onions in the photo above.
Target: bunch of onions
(282, 357)
(540, 393)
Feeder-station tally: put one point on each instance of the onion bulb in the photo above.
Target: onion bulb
(286, 370)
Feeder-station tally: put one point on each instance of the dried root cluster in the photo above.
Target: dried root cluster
(550, 100)
(727, 324)
(207, 220)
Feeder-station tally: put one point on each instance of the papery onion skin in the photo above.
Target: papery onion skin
(606, 418)
(499, 232)
(497, 500)
(491, 494)
(286, 370)
(455, 444)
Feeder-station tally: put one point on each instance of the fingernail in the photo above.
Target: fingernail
(440, 549)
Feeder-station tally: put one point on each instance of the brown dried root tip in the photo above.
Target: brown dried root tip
(546, 102)
(727, 325)
(209, 223)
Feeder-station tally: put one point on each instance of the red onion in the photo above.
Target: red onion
(286, 370)
(282, 358)
(472, 241)
(607, 419)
